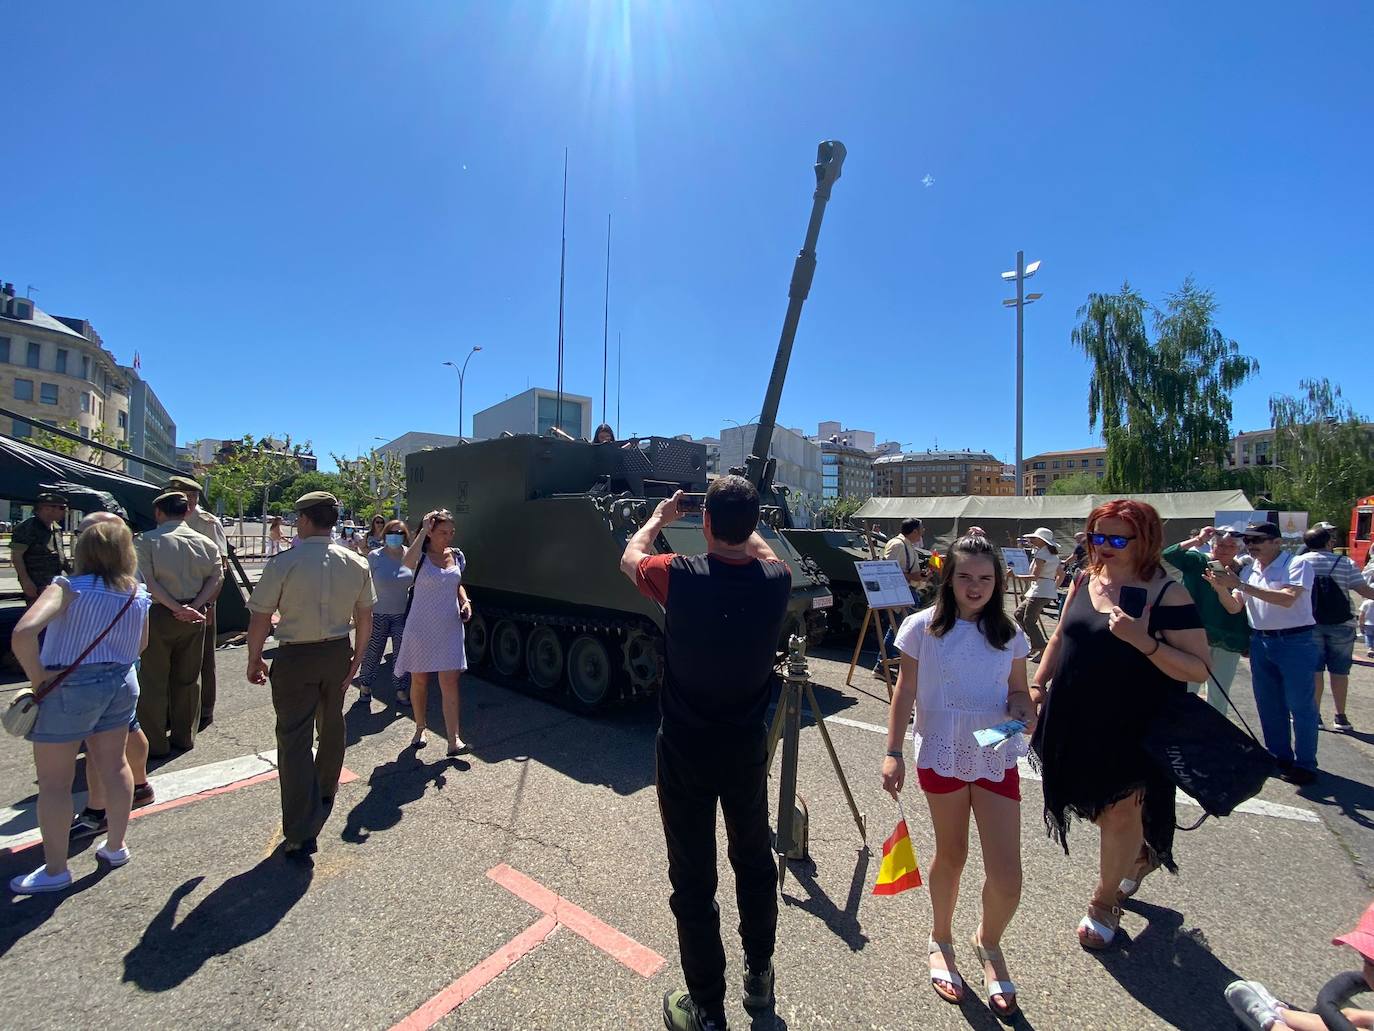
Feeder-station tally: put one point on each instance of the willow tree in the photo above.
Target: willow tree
(1323, 452)
(1164, 404)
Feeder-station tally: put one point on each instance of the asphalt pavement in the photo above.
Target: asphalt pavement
(210, 927)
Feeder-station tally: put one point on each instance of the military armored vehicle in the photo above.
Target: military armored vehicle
(543, 522)
(834, 553)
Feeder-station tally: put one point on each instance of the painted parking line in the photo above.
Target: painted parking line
(1255, 806)
(557, 912)
(173, 790)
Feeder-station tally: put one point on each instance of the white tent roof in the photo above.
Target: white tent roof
(1199, 505)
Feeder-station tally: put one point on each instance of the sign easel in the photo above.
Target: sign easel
(887, 593)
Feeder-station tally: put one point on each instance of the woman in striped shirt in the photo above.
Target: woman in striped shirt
(95, 702)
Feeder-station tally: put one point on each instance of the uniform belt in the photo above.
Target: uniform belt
(1286, 631)
(322, 640)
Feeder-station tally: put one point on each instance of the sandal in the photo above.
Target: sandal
(1144, 866)
(994, 987)
(403, 699)
(1101, 921)
(947, 984)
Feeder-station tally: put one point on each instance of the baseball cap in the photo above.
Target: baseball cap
(1361, 939)
(1324, 526)
(50, 498)
(1269, 530)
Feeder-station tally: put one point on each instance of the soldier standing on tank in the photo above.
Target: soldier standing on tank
(319, 588)
(205, 524)
(723, 616)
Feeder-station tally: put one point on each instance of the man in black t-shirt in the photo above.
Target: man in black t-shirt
(723, 616)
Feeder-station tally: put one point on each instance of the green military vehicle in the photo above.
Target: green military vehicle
(834, 552)
(543, 522)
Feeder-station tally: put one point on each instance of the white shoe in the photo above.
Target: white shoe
(40, 881)
(115, 857)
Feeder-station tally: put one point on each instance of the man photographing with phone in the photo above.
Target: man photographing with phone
(723, 615)
(1228, 633)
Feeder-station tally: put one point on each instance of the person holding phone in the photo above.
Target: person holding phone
(1228, 634)
(1129, 635)
(433, 641)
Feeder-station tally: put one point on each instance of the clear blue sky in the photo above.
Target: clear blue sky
(296, 211)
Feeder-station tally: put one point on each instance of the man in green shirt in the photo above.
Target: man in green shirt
(36, 546)
(1228, 632)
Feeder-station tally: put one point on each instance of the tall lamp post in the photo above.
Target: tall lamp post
(462, 374)
(1020, 274)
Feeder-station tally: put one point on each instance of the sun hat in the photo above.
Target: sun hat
(1042, 533)
(1361, 939)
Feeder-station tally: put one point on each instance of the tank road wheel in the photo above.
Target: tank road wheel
(589, 672)
(507, 647)
(476, 640)
(640, 657)
(544, 657)
(852, 606)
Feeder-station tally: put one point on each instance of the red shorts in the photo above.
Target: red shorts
(937, 784)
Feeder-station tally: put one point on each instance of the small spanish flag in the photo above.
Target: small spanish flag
(898, 871)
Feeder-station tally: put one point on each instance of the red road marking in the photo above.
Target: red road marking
(346, 777)
(479, 976)
(623, 949)
(558, 912)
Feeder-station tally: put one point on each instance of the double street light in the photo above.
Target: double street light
(1020, 274)
(462, 373)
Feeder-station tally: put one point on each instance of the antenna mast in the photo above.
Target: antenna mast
(562, 269)
(606, 320)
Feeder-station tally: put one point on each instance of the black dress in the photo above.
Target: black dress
(1088, 742)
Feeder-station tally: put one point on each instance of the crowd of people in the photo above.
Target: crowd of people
(120, 633)
(127, 629)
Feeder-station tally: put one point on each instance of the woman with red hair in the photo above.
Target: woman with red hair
(1129, 636)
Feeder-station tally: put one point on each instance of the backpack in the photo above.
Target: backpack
(1330, 602)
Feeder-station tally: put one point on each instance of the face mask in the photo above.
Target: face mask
(394, 540)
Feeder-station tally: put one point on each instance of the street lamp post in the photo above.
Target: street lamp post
(1020, 274)
(462, 374)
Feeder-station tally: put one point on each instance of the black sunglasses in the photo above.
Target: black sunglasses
(1116, 540)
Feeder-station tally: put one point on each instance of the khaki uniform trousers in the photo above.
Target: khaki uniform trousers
(169, 698)
(307, 694)
(208, 683)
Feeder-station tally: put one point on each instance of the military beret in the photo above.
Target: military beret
(49, 498)
(315, 497)
(184, 483)
(168, 495)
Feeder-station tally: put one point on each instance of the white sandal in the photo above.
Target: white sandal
(1106, 932)
(950, 977)
(994, 987)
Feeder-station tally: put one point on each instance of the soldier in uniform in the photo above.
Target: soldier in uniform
(36, 546)
(205, 524)
(322, 590)
(182, 571)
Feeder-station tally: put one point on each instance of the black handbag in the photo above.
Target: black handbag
(1206, 755)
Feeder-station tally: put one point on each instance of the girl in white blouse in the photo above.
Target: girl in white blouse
(963, 667)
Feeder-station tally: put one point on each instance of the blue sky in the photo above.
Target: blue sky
(296, 211)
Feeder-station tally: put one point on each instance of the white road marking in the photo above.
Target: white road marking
(20, 823)
(1255, 806)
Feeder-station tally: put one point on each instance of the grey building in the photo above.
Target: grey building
(409, 443)
(152, 433)
(799, 459)
(535, 411)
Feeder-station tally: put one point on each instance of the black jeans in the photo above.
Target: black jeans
(694, 771)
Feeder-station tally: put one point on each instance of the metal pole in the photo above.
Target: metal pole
(460, 402)
(562, 268)
(1020, 361)
(606, 321)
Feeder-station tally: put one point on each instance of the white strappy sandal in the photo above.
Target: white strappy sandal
(1093, 923)
(994, 987)
(951, 977)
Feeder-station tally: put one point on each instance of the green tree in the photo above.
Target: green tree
(1323, 452)
(1078, 483)
(282, 497)
(96, 457)
(838, 511)
(1164, 405)
(246, 472)
(373, 483)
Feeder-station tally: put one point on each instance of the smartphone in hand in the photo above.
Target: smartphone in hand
(1133, 601)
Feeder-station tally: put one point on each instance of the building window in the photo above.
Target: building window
(548, 414)
(35, 353)
(85, 402)
(47, 393)
(23, 390)
(4, 349)
(85, 433)
(123, 420)
(21, 429)
(86, 367)
(62, 360)
(1037, 465)
(1101, 462)
(1054, 464)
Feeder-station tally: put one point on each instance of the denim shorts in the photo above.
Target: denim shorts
(1335, 647)
(98, 696)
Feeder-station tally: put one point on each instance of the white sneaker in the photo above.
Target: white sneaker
(40, 881)
(1253, 1004)
(115, 857)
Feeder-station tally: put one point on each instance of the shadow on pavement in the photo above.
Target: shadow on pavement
(26, 913)
(1148, 968)
(242, 909)
(1354, 799)
(390, 787)
(843, 922)
(362, 721)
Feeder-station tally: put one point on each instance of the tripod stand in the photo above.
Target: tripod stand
(791, 839)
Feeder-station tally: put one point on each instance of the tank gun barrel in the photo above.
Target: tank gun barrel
(829, 160)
